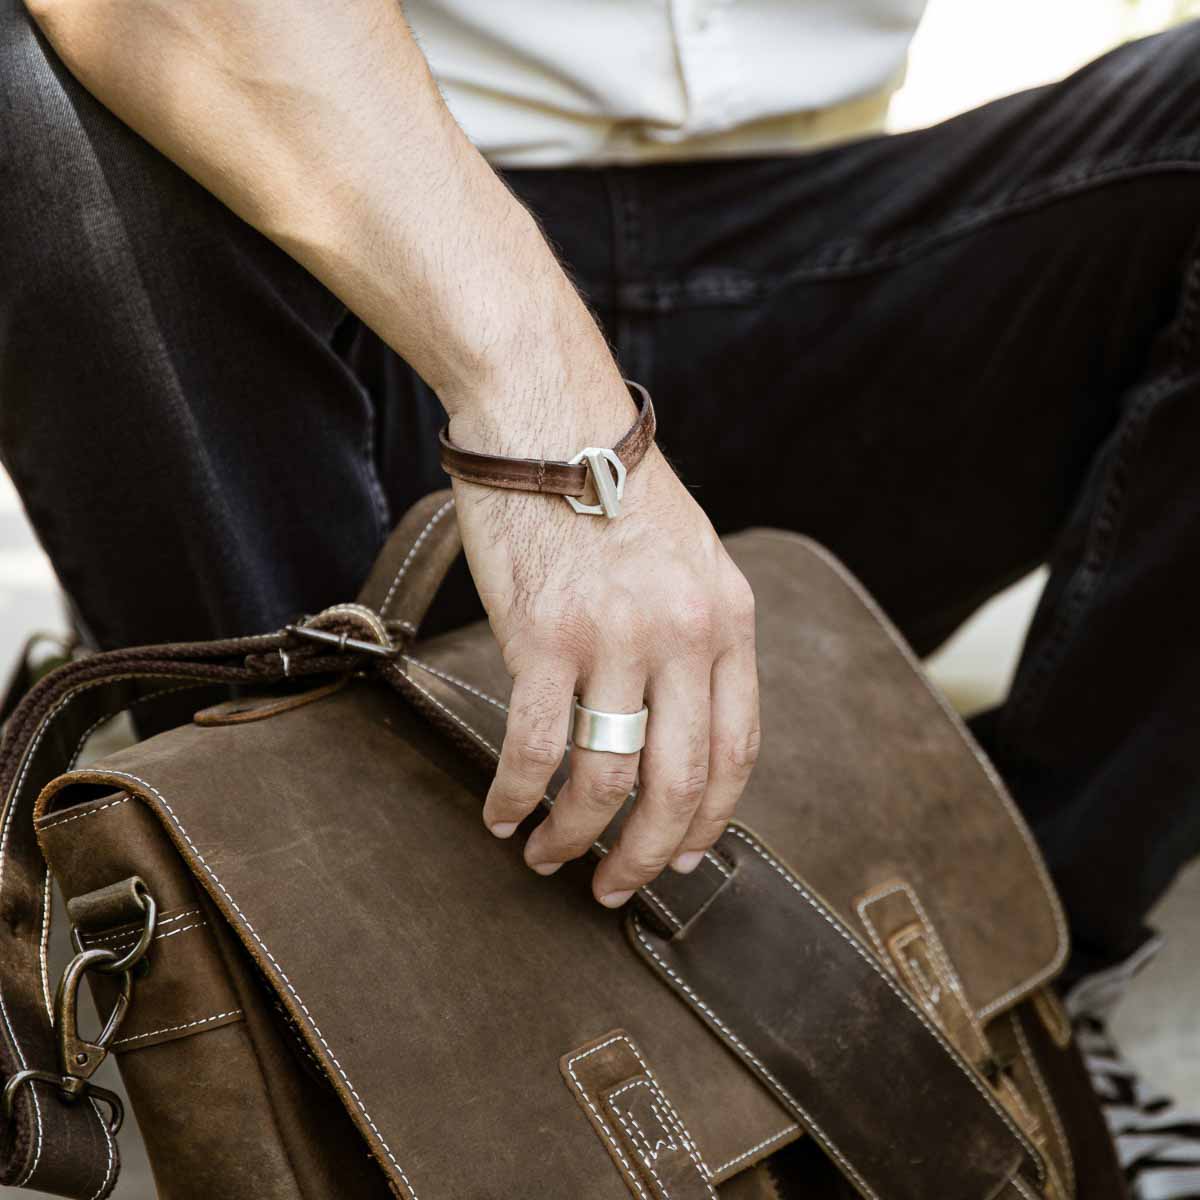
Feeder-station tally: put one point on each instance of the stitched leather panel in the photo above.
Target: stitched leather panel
(342, 842)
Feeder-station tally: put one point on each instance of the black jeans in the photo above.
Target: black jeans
(949, 355)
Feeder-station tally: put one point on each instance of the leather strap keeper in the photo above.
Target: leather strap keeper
(548, 475)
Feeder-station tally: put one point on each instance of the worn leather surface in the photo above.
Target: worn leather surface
(865, 754)
(322, 834)
(340, 810)
(548, 475)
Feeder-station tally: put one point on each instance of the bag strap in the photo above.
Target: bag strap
(66, 1147)
(51, 1143)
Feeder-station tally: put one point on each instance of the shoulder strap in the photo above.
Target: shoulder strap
(49, 1143)
(52, 1144)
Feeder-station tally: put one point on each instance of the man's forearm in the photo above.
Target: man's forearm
(321, 126)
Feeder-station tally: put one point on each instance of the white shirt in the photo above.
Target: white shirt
(556, 82)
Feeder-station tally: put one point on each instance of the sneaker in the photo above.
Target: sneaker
(1158, 1144)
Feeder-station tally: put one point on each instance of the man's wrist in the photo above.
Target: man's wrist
(546, 413)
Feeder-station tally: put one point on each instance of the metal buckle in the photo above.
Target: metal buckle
(78, 1058)
(608, 490)
(342, 641)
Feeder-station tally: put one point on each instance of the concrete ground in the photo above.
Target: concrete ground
(1160, 1024)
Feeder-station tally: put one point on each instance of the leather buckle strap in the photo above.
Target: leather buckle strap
(778, 977)
(604, 469)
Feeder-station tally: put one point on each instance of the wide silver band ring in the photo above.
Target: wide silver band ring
(610, 733)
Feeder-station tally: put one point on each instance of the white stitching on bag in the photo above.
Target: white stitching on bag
(90, 813)
(462, 683)
(109, 1147)
(137, 1037)
(936, 947)
(753, 1150)
(1047, 1100)
(608, 1137)
(813, 1127)
(282, 974)
(437, 516)
(693, 1153)
(649, 1158)
(132, 935)
(158, 937)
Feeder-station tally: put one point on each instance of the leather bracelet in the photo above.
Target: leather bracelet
(605, 469)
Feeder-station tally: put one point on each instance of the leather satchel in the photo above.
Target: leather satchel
(327, 979)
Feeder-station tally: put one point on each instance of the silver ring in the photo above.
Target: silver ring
(610, 733)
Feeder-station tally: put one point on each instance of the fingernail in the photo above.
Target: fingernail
(545, 868)
(687, 862)
(504, 829)
(615, 899)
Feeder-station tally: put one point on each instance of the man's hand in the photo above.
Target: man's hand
(646, 606)
(321, 126)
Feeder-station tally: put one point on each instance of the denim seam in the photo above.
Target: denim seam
(379, 501)
(721, 286)
(633, 348)
(1081, 178)
(1030, 692)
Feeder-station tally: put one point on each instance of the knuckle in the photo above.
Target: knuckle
(682, 794)
(742, 752)
(642, 865)
(707, 829)
(565, 633)
(537, 752)
(740, 603)
(694, 620)
(609, 786)
(566, 845)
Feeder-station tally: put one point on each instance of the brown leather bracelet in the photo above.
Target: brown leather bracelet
(605, 469)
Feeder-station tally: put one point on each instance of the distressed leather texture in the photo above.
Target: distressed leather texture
(348, 961)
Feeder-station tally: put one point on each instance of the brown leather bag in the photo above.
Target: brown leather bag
(342, 986)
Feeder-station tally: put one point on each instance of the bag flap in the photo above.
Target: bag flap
(438, 979)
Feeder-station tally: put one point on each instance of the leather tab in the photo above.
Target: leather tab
(639, 1127)
(413, 562)
(117, 904)
(786, 985)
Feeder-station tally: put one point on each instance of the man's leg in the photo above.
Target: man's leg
(175, 410)
(953, 355)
